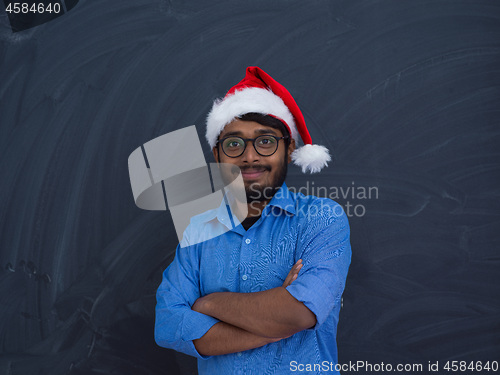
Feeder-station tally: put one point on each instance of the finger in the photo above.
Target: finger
(292, 279)
(293, 271)
(288, 279)
(296, 269)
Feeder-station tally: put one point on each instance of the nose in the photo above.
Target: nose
(250, 155)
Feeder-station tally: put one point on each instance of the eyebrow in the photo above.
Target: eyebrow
(258, 131)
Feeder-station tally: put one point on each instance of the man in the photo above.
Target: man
(264, 297)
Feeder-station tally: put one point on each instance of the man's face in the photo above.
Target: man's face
(262, 175)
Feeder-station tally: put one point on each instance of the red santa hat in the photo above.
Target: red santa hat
(258, 92)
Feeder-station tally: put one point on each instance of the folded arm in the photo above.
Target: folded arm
(273, 313)
(224, 338)
(280, 312)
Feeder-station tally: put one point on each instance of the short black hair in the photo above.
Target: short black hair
(270, 121)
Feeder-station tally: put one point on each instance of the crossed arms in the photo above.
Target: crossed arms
(251, 320)
(225, 322)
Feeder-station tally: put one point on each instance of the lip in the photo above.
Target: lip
(252, 173)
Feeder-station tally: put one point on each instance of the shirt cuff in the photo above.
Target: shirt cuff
(194, 326)
(315, 296)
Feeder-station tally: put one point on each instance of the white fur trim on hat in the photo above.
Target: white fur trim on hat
(311, 158)
(251, 99)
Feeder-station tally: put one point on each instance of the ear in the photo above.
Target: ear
(215, 151)
(291, 148)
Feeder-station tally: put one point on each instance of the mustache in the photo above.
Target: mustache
(255, 166)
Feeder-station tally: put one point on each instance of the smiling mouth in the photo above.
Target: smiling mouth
(252, 173)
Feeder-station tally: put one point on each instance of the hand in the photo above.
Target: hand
(292, 275)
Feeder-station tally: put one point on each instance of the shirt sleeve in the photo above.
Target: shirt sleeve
(176, 325)
(325, 251)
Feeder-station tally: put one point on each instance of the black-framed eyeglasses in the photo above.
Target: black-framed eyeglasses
(264, 145)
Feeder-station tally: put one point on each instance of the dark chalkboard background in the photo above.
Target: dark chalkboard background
(405, 93)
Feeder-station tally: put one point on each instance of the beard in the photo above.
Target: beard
(256, 192)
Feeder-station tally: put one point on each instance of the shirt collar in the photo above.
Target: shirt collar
(282, 199)
(220, 213)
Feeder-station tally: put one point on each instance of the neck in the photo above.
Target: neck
(255, 208)
(251, 209)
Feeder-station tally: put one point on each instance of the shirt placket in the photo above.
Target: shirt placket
(245, 274)
(245, 263)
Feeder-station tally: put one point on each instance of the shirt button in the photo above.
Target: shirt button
(244, 277)
(247, 241)
(239, 354)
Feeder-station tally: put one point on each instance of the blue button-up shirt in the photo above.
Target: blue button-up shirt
(292, 227)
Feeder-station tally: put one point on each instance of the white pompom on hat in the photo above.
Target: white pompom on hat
(258, 92)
